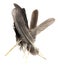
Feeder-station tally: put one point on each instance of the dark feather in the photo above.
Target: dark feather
(22, 30)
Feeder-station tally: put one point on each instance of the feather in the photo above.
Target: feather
(42, 26)
(34, 19)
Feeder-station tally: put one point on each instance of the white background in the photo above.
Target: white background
(47, 41)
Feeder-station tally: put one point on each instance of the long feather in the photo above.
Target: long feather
(43, 26)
